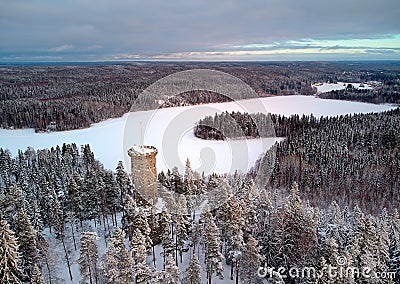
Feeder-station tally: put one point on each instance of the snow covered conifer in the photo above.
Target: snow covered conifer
(36, 277)
(249, 209)
(140, 221)
(250, 261)
(188, 179)
(176, 180)
(182, 223)
(213, 253)
(171, 273)
(143, 273)
(192, 274)
(123, 181)
(27, 242)
(206, 216)
(166, 236)
(118, 264)
(129, 216)
(88, 257)
(10, 258)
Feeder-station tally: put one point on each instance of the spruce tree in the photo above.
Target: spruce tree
(192, 274)
(176, 181)
(167, 242)
(129, 216)
(89, 257)
(213, 255)
(118, 263)
(36, 277)
(171, 272)
(27, 242)
(10, 258)
(182, 223)
(250, 261)
(189, 188)
(123, 181)
(143, 273)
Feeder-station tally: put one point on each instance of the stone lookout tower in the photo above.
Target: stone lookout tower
(144, 171)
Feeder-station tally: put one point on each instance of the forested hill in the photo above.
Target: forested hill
(64, 97)
(240, 125)
(388, 94)
(353, 159)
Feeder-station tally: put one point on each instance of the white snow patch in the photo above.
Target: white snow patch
(328, 87)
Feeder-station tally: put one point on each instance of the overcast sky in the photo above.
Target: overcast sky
(87, 30)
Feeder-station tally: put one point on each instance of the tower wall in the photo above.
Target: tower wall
(144, 171)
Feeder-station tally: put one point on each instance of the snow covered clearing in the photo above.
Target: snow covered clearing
(328, 87)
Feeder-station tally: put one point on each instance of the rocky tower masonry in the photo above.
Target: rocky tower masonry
(144, 171)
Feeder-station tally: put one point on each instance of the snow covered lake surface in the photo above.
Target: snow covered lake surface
(328, 87)
(170, 130)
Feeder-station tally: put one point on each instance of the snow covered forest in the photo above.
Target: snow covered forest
(65, 218)
(64, 97)
(332, 199)
(353, 159)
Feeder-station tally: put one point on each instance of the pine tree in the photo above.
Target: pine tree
(10, 258)
(206, 216)
(394, 247)
(250, 261)
(112, 194)
(195, 237)
(123, 181)
(220, 194)
(118, 263)
(383, 253)
(35, 215)
(193, 272)
(140, 221)
(13, 201)
(171, 272)
(75, 202)
(394, 262)
(213, 255)
(182, 223)
(129, 216)
(36, 277)
(189, 187)
(27, 242)
(300, 233)
(167, 242)
(249, 209)
(143, 273)
(231, 223)
(188, 179)
(89, 257)
(176, 181)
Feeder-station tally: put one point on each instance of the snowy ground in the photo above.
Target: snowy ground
(59, 269)
(328, 87)
(170, 130)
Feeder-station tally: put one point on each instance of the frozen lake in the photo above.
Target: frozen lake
(170, 130)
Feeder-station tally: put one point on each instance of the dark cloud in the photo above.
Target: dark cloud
(105, 28)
